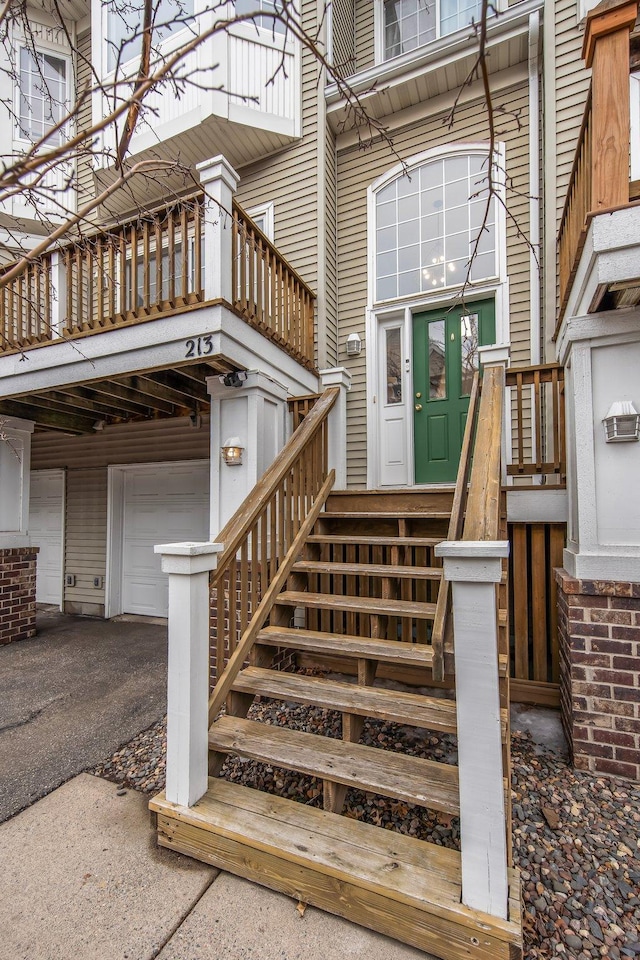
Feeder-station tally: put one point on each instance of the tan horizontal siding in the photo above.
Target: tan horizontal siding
(85, 533)
(572, 86)
(365, 42)
(357, 170)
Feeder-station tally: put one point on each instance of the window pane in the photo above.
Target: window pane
(394, 367)
(433, 231)
(468, 351)
(437, 369)
(43, 95)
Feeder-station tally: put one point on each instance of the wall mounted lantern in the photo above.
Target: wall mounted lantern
(622, 423)
(232, 452)
(354, 345)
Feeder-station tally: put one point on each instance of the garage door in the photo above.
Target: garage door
(163, 503)
(46, 529)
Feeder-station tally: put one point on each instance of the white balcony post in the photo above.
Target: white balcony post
(498, 355)
(219, 181)
(337, 423)
(15, 481)
(474, 569)
(188, 566)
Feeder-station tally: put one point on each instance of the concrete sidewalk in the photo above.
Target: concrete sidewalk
(82, 879)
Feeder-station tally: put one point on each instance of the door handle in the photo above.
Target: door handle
(418, 406)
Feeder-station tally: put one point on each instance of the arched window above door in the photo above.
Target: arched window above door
(427, 222)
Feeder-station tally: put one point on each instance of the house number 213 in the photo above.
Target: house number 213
(199, 347)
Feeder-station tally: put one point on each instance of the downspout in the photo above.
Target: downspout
(550, 172)
(321, 194)
(534, 187)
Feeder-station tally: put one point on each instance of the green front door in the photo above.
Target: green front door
(445, 358)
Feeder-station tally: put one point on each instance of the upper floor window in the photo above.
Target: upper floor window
(269, 6)
(124, 26)
(411, 23)
(428, 224)
(43, 95)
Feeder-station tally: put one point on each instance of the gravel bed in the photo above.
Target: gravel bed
(575, 836)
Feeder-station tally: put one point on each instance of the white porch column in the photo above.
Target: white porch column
(15, 481)
(188, 566)
(338, 377)
(256, 414)
(474, 569)
(219, 181)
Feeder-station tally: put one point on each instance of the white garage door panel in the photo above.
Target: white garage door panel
(46, 529)
(162, 504)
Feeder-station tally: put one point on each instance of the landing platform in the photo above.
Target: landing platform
(397, 885)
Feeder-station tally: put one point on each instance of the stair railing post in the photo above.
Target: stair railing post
(337, 422)
(188, 566)
(219, 181)
(474, 569)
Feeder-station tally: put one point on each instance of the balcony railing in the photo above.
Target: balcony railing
(537, 424)
(152, 267)
(600, 174)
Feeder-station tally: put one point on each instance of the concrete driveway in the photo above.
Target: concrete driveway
(73, 695)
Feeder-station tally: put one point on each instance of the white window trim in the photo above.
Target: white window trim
(378, 23)
(634, 81)
(265, 210)
(496, 290)
(53, 51)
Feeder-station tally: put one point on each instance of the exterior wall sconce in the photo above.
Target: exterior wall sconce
(354, 345)
(622, 423)
(232, 452)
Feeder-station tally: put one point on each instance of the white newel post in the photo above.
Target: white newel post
(188, 566)
(337, 422)
(498, 355)
(58, 294)
(474, 569)
(219, 181)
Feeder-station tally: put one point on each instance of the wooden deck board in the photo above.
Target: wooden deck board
(369, 570)
(416, 710)
(375, 605)
(413, 779)
(389, 651)
(380, 541)
(405, 888)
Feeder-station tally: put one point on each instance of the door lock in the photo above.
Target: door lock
(418, 407)
(418, 396)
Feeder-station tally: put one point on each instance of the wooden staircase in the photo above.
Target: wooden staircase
(359, 597)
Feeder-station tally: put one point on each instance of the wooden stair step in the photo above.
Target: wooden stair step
(403, 887)
(381, 541)
(368, 605)
(368, 570)
(388, 651)
(398, 706)
(385, 515)
(412, 779)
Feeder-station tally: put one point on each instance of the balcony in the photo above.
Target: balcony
(172, 297)
(599, 237)
(240, 87)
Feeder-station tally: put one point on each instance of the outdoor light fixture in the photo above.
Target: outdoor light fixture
(232, 452)
(622, 423)
(235, 379)
(354, 345)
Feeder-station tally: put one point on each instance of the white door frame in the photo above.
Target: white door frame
(115, 526)
(58, 472)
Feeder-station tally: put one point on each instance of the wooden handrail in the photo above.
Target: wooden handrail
(482, 520)
(456, 520)
(258, 539)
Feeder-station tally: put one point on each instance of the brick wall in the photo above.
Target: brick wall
(17, 593)
(599, 634)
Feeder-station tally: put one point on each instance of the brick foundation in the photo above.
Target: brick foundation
(17, 593)
(599, 635)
